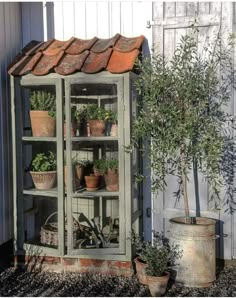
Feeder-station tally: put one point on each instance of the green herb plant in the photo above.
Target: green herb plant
(182, 117)
(158, 254)
(104, 164)
(41, 100)
(44, 162)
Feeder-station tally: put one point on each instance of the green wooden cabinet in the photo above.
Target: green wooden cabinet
(73, 219)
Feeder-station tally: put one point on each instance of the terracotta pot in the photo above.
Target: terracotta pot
(140, 270)
(72, 129)
(112, 180)
(42, 124)
(97, 127)
(114, 130)
(92, 182)
(157, 284)
(44, 180)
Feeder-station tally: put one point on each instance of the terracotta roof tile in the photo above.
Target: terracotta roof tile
(125, 44)
(71, 63)
(80, 45)
(102, 45)
(122, 62)
(57, 46)
(116, 54)
(96, 61)
(46, 63)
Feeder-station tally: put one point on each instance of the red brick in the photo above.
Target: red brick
(51, 260)
(69, 261)
(119, 265)
(92, 263)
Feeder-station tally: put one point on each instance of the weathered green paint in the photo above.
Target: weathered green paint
(64, 199)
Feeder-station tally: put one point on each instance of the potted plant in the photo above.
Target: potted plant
(42, 113)
(155, 259)
(111, 123)
(96, 117)
(43, 170)
(81, 119)
(111, 174)
(182, 114)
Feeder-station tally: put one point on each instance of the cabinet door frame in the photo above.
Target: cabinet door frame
(124, 170)
(17, 144)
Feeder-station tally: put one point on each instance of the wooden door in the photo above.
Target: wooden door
(171, 20)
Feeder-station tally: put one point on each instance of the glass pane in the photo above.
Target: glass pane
(94, 110)
(41, 221)
(39, 110)
(96, 222)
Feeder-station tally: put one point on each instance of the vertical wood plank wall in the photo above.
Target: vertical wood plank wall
(10, 45)
(171, 20)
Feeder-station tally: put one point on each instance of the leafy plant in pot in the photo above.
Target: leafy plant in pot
(183, 126)
(42, 113)
(155, 259)
(111, 174)
(43, 170)
(96, 117)
(81, 119)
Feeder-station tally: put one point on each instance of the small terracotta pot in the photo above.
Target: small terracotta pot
(114, 130)
(44, 180)
(112, 180)
(157, 284)
(97, 127)
(140, 270)
(92, 182)
(42, 124)
(72, 129)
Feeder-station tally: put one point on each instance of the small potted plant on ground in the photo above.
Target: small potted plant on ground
(42, 114)
(155, 259)
(44, 170)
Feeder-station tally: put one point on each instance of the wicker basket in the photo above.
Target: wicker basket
(49, 232)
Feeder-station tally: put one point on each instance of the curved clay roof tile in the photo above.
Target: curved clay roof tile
(57, 46)
(96, 61)
(102, 45)
(46, 63)
(122, 62)
(127, 44)
(71, 63)
(80, 45)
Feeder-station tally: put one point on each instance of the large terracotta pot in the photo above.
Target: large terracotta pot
(97, 127)
(42, 124)
(92, 182)
(112, 180)
(157, 284)
(44, 180)
(140, 270)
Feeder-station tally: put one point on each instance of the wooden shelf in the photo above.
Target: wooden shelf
(83, 193)
(37, 192)
(39, 139)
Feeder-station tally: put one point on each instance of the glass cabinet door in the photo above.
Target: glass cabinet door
(37, 162)
(94, 165)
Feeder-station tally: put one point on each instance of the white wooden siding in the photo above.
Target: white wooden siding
(10, 45)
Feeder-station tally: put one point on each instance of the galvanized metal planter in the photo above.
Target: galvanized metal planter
(197, 267)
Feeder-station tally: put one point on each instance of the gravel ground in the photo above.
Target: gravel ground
(44, 284)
